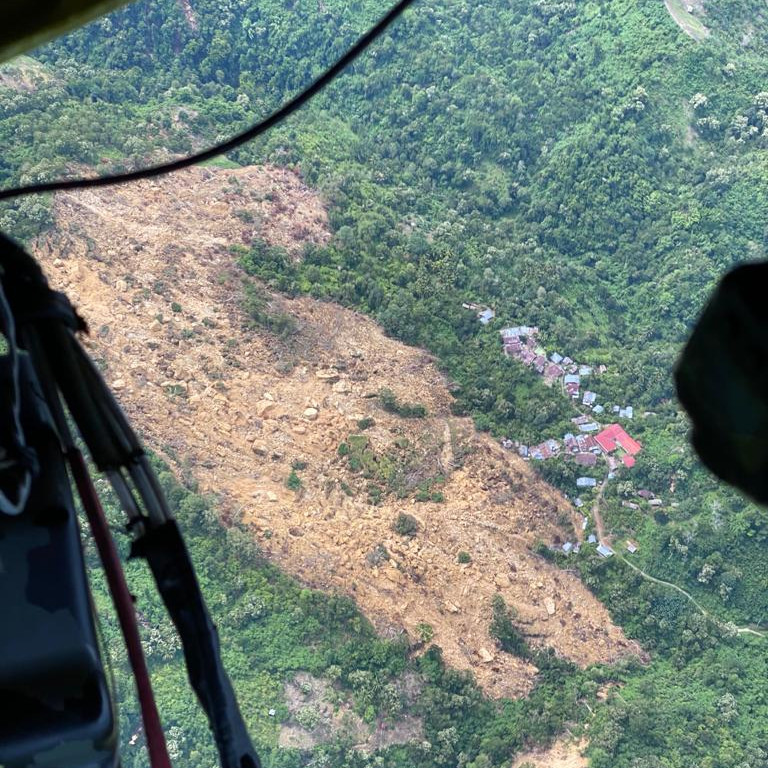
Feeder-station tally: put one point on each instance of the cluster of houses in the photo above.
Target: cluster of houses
(521, 342)
(587, 442)
(600, 546)
(585, 446)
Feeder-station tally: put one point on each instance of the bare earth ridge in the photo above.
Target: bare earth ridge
(148, 266)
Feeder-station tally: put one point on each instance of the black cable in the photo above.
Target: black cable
(219, 149)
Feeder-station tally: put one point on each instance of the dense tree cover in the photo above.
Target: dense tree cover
(584, 167)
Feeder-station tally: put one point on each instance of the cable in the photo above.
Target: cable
(219, 149)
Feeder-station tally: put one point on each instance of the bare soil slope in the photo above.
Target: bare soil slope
(564, 753)
(148, 265)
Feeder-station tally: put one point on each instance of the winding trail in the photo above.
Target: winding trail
(740, 630)
(600, 526)
(597, 515)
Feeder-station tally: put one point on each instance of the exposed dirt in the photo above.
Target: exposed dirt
(562, 754)
(23, 74)
(318, 713)
(148, 265)
(685, 19)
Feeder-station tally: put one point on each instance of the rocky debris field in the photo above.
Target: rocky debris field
(260, 421)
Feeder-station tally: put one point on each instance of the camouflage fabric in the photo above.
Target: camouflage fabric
(25, 24)
(722, 380)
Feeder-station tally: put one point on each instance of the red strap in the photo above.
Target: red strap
(158, 752)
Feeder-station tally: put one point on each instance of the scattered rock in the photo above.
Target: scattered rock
(502, 580)
(342, 387)
(264, 408)
(485, 655)
(310, 414)
(549, 604)
(329, 377)
(259, 448)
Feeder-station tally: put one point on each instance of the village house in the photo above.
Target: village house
(631, 547)
(604, 550)
(519, 330)
(571, 381)
(588, 443)
(590, 426)
(585, 459)
(586, 482)
(556, 358)
(592, 539)
(589, 398)
(569, 441)
(552, 372)
(486, 316)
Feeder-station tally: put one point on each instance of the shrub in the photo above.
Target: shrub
(391, 404)
(293, 482)
(464, 557)
(406, 525)
(507, 636)
(365, 423)
(426, 632)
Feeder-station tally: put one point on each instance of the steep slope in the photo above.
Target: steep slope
(149, 267)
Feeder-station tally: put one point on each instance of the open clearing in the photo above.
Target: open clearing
(686, 20)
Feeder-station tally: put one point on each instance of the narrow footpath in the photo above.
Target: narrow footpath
(740, 630)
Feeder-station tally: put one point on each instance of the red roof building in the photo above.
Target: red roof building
(629, 461)
(614, 436)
